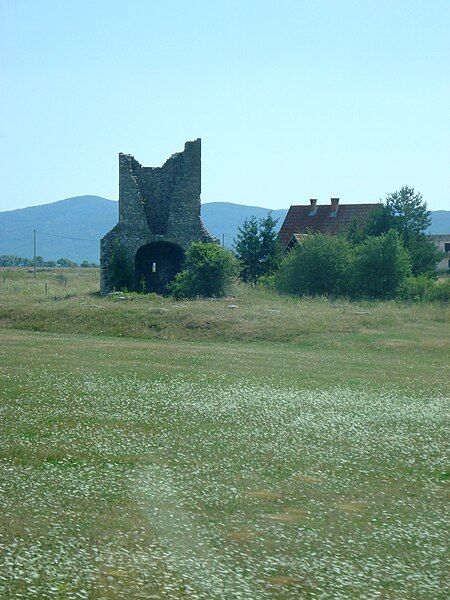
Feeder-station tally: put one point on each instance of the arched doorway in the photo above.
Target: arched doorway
(156, 264)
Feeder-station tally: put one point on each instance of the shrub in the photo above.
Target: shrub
(268, 282)
(416, 288)
(423, 288)
(441, 290)
(209, 271)
(121, 276)
(319, 265)
(381, 266)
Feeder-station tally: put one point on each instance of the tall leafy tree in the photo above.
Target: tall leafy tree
(379, 222)
(257, 248)
(271, 252)
(424, 254)
(409, 213)
(406, 212)
(247, 247)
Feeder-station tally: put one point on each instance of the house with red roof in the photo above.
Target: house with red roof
(334, 218)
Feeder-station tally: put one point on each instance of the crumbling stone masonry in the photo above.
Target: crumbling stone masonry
(159, 218)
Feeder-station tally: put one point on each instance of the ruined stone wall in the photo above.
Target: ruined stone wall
(156, 204)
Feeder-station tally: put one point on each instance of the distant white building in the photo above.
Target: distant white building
(443, 243)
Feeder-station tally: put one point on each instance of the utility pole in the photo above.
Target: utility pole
(223, 240)
(34, 252)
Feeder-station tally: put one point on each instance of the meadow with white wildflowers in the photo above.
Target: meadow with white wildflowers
(138, 469)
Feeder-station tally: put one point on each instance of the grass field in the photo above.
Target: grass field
(280, 449)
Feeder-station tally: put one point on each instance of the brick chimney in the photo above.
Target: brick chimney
(313, 207)
(334, 206)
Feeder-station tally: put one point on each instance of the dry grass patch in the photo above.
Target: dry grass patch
(352, 506)
(289, 516)
(265, 495)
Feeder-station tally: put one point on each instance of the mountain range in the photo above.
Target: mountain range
(72, 228)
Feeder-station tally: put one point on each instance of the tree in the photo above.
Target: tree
(424, 254)
(271, 252)
(381, 265)
(405, 212)
(380, 221)
(208, 272)
(247, 247)
(257, 248)
(66, 263)
(355, 231)
(319, 265)
(408, 212)
(10, 260)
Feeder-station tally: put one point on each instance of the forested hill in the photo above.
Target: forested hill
(85, 219)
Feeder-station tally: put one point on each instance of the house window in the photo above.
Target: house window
(447, 247)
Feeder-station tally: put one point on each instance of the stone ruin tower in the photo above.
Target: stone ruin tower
(159, 218)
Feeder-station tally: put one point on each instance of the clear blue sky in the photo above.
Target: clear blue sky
(292, 99)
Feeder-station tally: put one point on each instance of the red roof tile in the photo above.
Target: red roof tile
(298, 219)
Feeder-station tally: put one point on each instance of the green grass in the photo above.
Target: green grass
(260, 315)
(308, 464)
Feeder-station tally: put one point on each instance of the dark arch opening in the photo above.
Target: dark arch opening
(156, 264)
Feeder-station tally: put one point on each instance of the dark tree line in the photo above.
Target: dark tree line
(10, 260)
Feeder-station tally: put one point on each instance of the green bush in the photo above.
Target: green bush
(119, 268)
(441, 290)
(332, 265)
(416, 288)
(209, 271)
(423, 288)
(268, 282)
(380, 267)
(320, 265)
